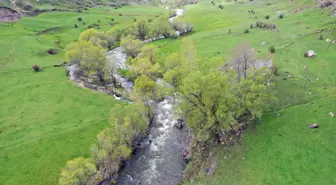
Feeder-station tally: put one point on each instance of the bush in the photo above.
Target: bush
(321, 37)
(36, 68)
(251, 26)
(263, 25)
(79, 19)
(281, 14)
(267, 17)
(246, 30)
(112, 19)
(76, 26)
(221, 6)
(271, 49)
(120, 14)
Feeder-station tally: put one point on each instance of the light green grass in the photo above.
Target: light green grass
(44, 119)
(282, 150)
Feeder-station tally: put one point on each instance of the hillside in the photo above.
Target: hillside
(47, 120)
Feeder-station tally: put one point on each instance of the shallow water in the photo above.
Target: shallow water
(159, 159)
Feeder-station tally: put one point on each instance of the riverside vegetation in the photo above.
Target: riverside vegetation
(223, 75)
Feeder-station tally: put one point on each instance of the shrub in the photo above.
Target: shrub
(321, 37)
(220, 6)
(112, 19)
(281, 14)
(36, 68)
(79, 19)
(271, 49)
(267, 17)
(76, 26)
(120, 14)
(246, 30)
(251, 26)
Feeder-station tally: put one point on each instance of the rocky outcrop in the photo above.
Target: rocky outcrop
(8, 15)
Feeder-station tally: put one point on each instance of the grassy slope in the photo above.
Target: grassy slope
(282, 150)
(44, 119)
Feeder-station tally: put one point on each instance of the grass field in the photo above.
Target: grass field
(44, 119)
(282, 150)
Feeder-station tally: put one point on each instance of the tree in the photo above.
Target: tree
(207, 103)
(243, 59)
(94, 60)
(80, 171)
(75, 51)
(114, 144)
(108, 152)
(145, 89)
(96, 37)
(141, 29)
(161, 27)
(173, 61)
(150, 53)
(131, 45)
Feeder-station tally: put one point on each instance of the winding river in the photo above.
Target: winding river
(159, 158)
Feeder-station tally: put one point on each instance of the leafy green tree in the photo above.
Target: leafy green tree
(149, 52)
(80, 171)
(173, 61)
(141, 29)
(145, 88)
(132, 46)
(94, 60)
(96, 37)
(207, 103)
(161, 27)
(75, 51)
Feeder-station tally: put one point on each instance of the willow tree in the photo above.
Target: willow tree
(94, 60)
(80, 171)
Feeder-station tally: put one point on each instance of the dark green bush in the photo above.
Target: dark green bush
(271, 49)
(267, 17)
(36, 68)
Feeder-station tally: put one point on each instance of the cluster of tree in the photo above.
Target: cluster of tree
(213, 100)
(90, 51)
(114, 144)
(264, 25)
(143, 30)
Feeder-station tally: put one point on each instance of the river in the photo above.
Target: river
(159, 158)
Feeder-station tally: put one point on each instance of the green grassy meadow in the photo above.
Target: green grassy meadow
(44, 119)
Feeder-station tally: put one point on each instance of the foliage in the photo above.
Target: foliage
(264, 25)
(246, 30)
(36, 68)
(271, 49)
(131, 45)
(281, 14)
(141, 29)
(145, 88)
(114, 144)
(161, 27)
(80, 171)
(172, 13)
(94, 60)
(267, 17)
(182, 27)
(96, 37)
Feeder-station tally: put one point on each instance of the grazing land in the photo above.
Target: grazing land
(44, 119)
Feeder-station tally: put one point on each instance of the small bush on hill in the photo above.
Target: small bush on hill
(251, 26)
(267, 17)
(221, 6)
(79, 19)
(36, 68)
(120, 14)
(76, 26)
(246, 30)
(264, 25)
(321, 37)
(271, 49)
(281, 14)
